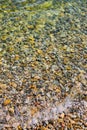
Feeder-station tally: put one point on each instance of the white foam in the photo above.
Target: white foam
(53, 111)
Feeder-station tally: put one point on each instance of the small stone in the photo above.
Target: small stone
(63, 35)
(20, 128)
(6, 102)
(13, 84)
(0, 49)
(54, 67)
(11, 110)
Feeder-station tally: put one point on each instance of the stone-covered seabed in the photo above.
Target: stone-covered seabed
(43, 65)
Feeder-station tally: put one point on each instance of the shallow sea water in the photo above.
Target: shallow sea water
(43, 53)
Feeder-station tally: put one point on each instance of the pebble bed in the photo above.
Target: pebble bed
(43, 65)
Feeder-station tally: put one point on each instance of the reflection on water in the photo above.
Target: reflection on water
(32, 3)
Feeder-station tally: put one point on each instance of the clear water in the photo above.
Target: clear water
(20, 19)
